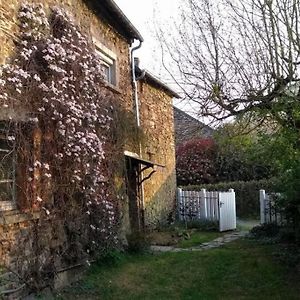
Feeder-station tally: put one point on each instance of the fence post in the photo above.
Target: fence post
(234, 211)
(179, 204)
(262, 200)
(203, 208)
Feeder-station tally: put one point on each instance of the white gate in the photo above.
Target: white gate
(227, 211)
(204, 205)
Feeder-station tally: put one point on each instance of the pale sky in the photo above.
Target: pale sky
(142, 14)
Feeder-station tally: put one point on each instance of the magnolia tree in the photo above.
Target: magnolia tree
(237, 57)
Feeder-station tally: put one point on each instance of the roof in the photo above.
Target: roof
(152, 79)
(188, 116)
(111, 12)
(142, 161)
(188, 127)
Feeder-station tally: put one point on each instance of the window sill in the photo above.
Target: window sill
(15, 216)
(113, 88)
(7, 205)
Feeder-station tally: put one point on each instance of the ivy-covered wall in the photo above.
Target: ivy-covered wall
(55, 225)
(59, 119)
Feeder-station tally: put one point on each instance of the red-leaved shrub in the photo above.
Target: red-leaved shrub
(196, 162)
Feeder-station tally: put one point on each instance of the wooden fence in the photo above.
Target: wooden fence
(196, 205)
(204, 205)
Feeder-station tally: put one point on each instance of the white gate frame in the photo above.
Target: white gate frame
(268, 214)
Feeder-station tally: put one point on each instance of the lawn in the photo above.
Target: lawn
(198, 237)
(240, 270)
(181, 237)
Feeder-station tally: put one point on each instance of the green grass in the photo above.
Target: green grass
(198, 237)
(182, 238)
(247, 224)
(240, 270)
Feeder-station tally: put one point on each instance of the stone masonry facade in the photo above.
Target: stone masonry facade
(157, 123)
(17, 228)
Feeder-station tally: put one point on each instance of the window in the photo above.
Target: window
(108, 62)
(108, 68)
(7, 170)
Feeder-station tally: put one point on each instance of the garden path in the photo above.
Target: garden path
(218, 242)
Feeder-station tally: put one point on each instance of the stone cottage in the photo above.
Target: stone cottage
(47, 220)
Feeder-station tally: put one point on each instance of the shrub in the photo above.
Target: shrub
(206, 161)
(290, 201)
(195, 162)
(204, 225)
(247, 193)
(265, 231)
(110, 258)
(138, 242)
(289, 254)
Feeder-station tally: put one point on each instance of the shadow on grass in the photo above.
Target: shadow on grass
(240, 270)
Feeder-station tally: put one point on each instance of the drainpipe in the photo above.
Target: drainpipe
(138, 123)
(134, 84)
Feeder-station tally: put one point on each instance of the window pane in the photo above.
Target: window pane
(6, 161)
(106, 72)
(7, 170)
(6, 191)
(107, 66)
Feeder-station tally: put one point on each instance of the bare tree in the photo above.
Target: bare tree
(238, 57)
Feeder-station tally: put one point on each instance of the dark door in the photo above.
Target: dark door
(133, 192)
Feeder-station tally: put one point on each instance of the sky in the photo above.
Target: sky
(142, 14)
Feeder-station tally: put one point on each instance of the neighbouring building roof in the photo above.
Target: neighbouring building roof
(111, 12)
(188, 127)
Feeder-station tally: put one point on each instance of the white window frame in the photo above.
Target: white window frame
(9, 204)
(108, 59)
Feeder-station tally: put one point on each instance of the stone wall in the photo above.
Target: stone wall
(157, 123)
(31, 239)
(31, 242)
(88, 21)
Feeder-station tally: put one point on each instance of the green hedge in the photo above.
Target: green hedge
(247, 193)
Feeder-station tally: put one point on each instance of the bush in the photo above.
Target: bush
(290, 201)
(289, 254)
(207, 161)
(204, 225)
(195, 162)
(138, 242)
(110, 258)
(247, 193)
(265, 231)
